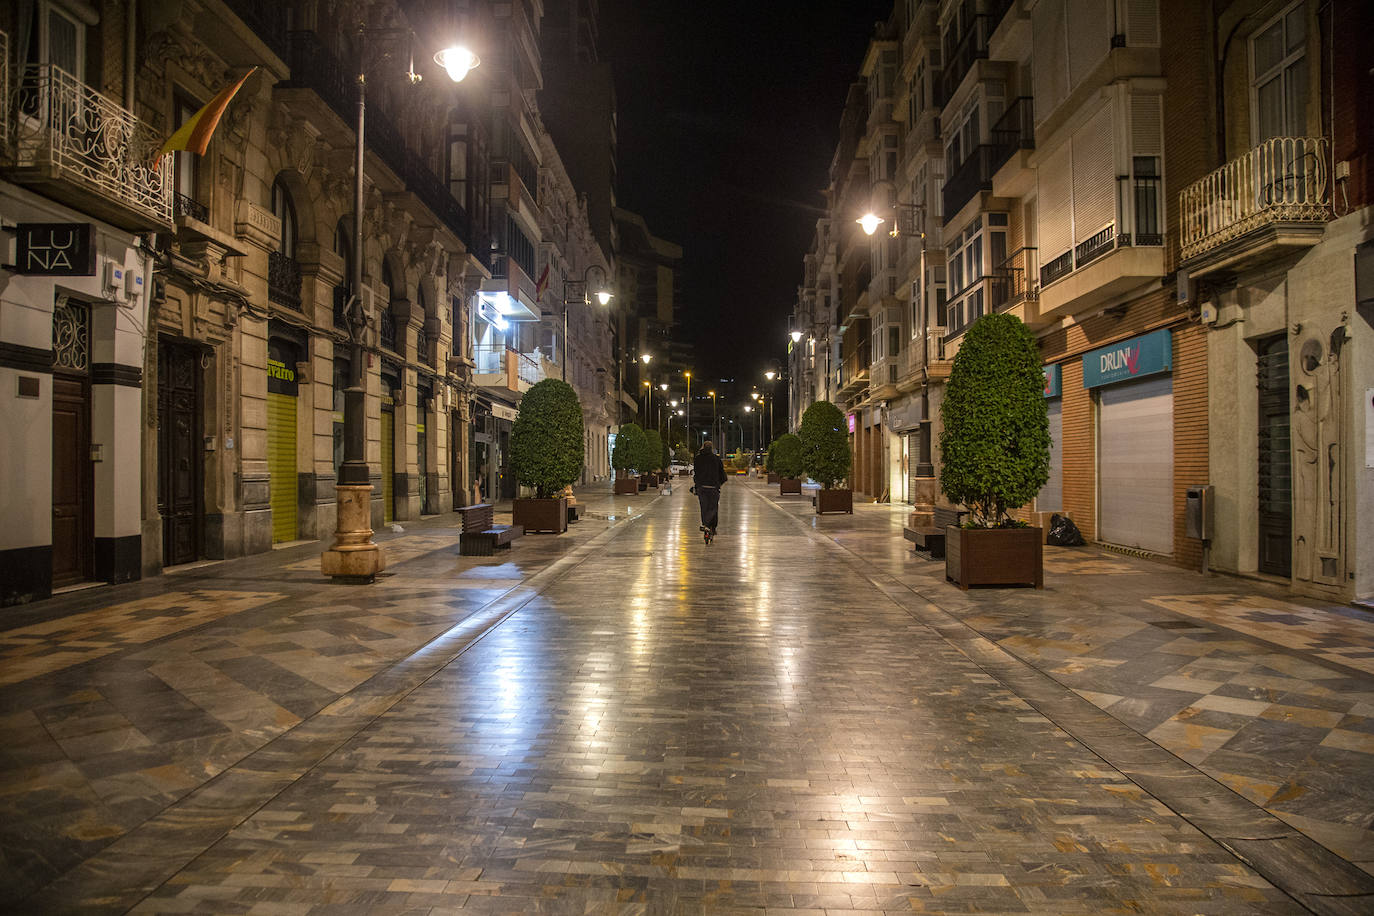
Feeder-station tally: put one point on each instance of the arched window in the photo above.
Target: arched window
(422, 338)
(284, 210)
(283, 273)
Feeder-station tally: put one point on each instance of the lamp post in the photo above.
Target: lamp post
(354, 557)
(648, 392)
(576, 291)
(904, 222)
(714, 434)
(690, 447)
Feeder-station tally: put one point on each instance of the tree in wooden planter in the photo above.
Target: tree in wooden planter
(786, 454)
(825, 456)
(629, 446)
(654, 450)
(995, 453)
(546, 453)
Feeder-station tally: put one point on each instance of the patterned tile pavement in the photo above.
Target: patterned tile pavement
(799, 717)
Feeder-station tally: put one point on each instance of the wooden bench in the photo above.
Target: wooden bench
(932, 539)
(481, 535)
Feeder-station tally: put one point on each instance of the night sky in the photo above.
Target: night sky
(729, 114)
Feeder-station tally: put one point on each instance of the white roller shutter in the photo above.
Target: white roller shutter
(1142, 23)
(1135, 465)
(1094, 179)
(1051, 496)
(1055, 194)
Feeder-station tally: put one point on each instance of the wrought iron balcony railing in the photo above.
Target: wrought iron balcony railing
(961, 52)
(1283, 180)
(386, 329)
(1014, 281)
(1015, 130)
(283, 280)
(974, 174)
(184, 205)
(66, 133)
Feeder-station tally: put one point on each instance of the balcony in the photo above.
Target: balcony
(854, 373)
(961, 54)
(267, 19)
(1014, 281)
(1100, 268)
(85, 150)
(501, 367)
(1273, 200)
(283, 280)
(973, 175)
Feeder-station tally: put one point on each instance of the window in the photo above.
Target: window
(458, 166)
(964, 135)
(1146, 193)
(1278, 64)
(518, 247)
(284, 210)
(973, 254)
(63, 39)
(183, 163)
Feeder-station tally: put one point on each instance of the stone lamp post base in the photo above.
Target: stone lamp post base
(353, 558)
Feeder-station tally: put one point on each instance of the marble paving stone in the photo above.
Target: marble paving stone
(800, 717)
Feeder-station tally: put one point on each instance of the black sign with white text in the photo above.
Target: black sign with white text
(60, 249)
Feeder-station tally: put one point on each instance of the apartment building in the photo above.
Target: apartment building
(1173, 219)
(649, 280)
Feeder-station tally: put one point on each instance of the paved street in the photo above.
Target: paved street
(801, 717)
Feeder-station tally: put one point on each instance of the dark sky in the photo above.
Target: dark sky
(728, 118)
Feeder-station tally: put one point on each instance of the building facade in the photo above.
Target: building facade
(1171, 230)
(176, 339)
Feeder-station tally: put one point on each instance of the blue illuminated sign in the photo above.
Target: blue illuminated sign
(1138, 357)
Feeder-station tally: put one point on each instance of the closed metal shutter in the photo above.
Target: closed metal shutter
(1094, 178)
(1136, 465)
(1051, 497)
(388, 460)
(1055, 200)
(281, 464)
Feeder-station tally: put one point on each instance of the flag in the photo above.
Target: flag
(194, 135)
(542, 285)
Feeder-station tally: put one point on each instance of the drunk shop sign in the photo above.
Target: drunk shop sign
(56, 249)
(1138, 357)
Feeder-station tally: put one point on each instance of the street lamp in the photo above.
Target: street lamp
(688, 373)
(354, 557)
(905, 222)
(648, 391)
(576, 291)
(713, 415)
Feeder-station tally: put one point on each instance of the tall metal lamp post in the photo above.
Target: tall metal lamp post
(690, 446)
(714, 434)
(576, 291)
(354, 557)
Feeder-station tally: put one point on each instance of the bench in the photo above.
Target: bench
(481, 535)
(932, 539)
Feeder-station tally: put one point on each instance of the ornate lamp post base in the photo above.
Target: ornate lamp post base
(353, 558)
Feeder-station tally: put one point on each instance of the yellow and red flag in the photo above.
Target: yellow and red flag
(194, 135)
(541, 285)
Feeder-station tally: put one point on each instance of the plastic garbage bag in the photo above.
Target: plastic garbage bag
(1063, 532)
(397, 529)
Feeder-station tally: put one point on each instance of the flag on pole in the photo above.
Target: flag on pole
(542, 285)
(194, 135)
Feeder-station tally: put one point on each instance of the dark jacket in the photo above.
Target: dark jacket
(708, 470)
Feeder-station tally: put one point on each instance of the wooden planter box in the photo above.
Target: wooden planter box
(643, 482)
(546, 515)
(790, 485)
(995, 556)
(773, 478)
(834, 501)
(626, 486)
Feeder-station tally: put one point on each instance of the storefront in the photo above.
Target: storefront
(1133, 386)
(390, 384)
(1051, 496)
(282, 394)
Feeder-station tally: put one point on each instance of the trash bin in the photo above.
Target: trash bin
(1197, 512)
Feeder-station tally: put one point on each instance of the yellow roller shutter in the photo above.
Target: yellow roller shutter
(281, 464)
(388, 461)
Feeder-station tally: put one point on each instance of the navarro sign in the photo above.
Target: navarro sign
(1138, 357)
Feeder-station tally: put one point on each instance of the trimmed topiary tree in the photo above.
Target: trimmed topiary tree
(683, 454)
(655, 452)
(785, 456)
(546, 438)
(995, 445)
(825, 455)
(629, 448)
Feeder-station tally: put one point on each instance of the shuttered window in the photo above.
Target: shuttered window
(1094, 179)
(1051, 496)
(1136, 465)
(1142, 23)
(1056, 204)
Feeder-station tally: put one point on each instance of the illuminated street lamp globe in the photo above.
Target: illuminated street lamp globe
(870, 222)
(458, 62)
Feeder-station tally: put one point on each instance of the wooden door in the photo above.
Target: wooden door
(72, 486)
(179, 455)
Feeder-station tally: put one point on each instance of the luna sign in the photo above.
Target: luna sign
(56, 249)
(1138, 357)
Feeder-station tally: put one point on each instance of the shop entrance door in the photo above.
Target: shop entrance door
(1275, 464)
(178, 448)
(72, 481)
